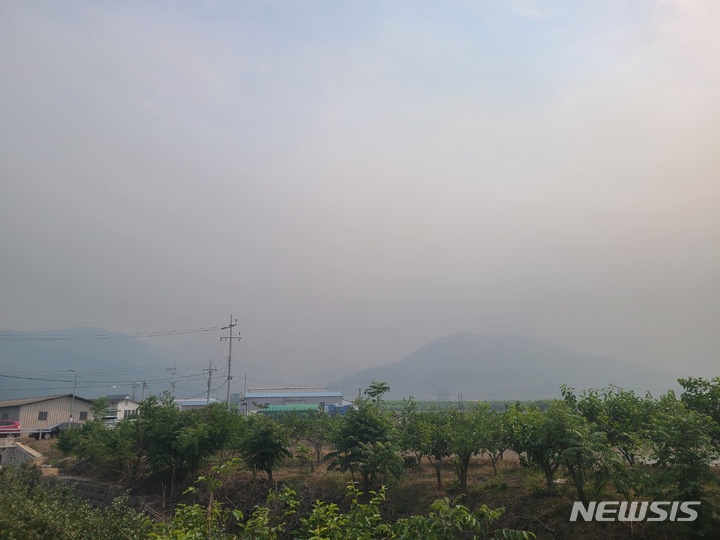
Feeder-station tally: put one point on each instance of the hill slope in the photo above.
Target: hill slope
(98, 356)
(502, 367)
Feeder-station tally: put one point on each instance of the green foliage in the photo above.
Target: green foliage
(534, 437)
(363, 521)
(494, 436)
(68, 441)
(660, 449)
(268, 522)
(363, 444)
(31, 511)
(264, 445)
(561, 437)
(304, 456)
(703, 396)
(391, 405)
(377, 390)
(315, 429)
(162, 437)
(408, 430)
(100, 407)
(434, 432)
(683, 445)
(447, 521)
(466, 438)
(621, 415)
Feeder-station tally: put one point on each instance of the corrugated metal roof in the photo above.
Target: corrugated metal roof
(195, 401)
(257, 395)
(28, 401)
(288, 389)
(119, 397)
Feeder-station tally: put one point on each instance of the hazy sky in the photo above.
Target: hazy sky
(352, 180)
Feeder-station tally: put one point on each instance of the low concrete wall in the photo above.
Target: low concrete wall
(18, 453)
(98, 494)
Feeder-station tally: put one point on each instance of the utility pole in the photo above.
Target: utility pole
(229, 373)
(210, 370)
(72, 403)
(173, 370)
(144, 386)
(245, 396)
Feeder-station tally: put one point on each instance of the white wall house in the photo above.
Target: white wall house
(122, 406)
(44, 412)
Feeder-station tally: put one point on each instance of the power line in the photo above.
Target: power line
(98, 337)
(160, 380)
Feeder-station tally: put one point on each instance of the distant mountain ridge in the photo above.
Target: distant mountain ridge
(503, 367)
(26, 358)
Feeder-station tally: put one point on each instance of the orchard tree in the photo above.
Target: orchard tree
(620, 414)
(408, 427)
(583, 448)
(560, 436)
(205, 432)
(703, 396)
(466, 439)
(315, 429)
(494, 436)
(535, 440)
(684, 447)
(158, 426)
(362, 443)
(435, 430)
(264, 445)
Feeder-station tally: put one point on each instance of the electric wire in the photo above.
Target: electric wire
(97, 337)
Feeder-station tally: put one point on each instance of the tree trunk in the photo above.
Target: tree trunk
(437, 465)
(493, 460)
(462, 465)
(366, 481)
(578, 479)
(549, 474)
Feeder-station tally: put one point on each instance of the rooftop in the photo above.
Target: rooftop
(28, 401)
(280, 393)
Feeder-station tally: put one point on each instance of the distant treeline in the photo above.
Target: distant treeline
(426, 406)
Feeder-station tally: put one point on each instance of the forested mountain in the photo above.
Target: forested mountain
(499, 367)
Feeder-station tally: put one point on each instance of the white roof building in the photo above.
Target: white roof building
(255, 399)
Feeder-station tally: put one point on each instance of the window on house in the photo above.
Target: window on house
(83, 415)
(42, 415)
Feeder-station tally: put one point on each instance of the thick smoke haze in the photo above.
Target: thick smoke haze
(352, 180)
